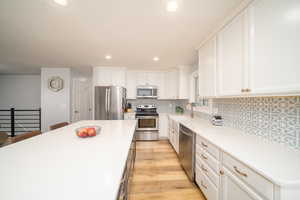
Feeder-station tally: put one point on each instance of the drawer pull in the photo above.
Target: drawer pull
(239, 172)
(123, 180)
(122, 197)
(204, 145)
(203, 168)
(202, 184)
(204, 157)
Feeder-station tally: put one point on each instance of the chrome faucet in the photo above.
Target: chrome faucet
(192, 110)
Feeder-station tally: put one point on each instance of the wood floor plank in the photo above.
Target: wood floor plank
(159, 176)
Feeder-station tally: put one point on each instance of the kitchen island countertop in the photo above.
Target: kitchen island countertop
(58, 165)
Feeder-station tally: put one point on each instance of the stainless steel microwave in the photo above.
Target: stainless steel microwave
(146, 92)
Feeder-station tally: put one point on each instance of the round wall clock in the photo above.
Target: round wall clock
(55, 84)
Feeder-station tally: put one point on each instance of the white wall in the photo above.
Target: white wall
(20, 91)
(55, 105)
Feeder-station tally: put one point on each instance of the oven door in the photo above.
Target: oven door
(147, 123)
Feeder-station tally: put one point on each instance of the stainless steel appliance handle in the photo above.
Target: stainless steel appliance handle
(106, 95)
(147, 117)
(186, 133)
(108, 99)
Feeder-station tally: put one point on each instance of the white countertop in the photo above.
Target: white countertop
(58, 165)
(278, 163)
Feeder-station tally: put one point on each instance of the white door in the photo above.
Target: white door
(207, 69)
(274, 47)
(82, 101)
(234, 189)
(231, 57)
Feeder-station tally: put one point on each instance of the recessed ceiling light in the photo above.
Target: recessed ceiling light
(61, 2)
(108, 57)
(172, 6)
(156, 59)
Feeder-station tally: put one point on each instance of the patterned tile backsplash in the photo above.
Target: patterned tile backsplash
(273, 118)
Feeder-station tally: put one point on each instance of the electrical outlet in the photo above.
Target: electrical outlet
(215, 111)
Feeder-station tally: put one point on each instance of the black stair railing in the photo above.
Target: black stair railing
(14, 121)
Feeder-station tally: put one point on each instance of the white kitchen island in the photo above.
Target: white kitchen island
(58, 165)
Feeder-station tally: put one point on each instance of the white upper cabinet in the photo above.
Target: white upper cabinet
(207, 69)
(171, 85)
(131, 84)
(230, 58)
(274, 47)
(107, 76)
(183, 82)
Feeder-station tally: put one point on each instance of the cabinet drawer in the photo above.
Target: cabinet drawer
(256, 181)
(205, 157)
(207, 187)
(201, 167)
(212, 149)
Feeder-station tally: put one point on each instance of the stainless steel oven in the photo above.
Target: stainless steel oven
(148, 123)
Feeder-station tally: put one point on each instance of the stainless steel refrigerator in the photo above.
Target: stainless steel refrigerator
(110, 103)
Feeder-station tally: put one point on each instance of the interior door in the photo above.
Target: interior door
(82, 97)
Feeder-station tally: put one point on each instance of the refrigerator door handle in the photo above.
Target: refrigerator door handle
(106, 96)
(108, 100)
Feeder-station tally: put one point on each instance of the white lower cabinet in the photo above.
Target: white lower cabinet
(232, 188)
(174, 134)
(222, 177)
(207, 187)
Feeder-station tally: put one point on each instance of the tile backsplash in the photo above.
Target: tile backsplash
(273, 118)
(163, 106)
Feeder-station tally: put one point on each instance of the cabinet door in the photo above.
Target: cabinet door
(102, 76)
(163, 125)
(183, 83)
(233, 188)
(230, 58)
(171, 85)
(118, 77)
(274, 47)
(207, 69)
(142, 78)
(131, 80)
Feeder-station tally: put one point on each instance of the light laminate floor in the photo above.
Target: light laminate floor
(159, 176)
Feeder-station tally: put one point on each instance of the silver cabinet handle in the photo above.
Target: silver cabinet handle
(203, 168)
(204, 157)
(203, 185)
(239, 172)
(204, 145)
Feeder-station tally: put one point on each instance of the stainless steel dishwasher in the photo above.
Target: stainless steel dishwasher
(187, 151)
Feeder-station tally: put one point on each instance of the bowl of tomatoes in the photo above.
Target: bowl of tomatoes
(88, 131)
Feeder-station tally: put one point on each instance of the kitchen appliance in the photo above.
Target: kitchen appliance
(147, 92)
(148, 122)
(110, 102)
(217, 120)
(187, 151)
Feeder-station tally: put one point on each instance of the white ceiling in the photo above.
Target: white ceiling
(40, 33)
